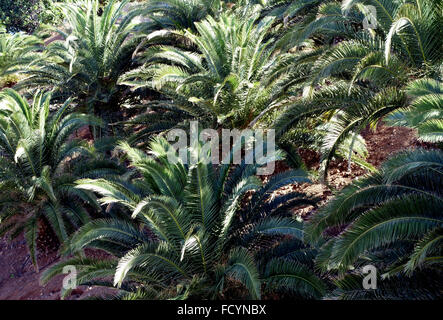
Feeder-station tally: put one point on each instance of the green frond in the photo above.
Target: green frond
(152, 257)
(424, 250)
(241, 267)
(277, 226)
(101, 231)
(31, 234)
(289, 276)
(405, 218)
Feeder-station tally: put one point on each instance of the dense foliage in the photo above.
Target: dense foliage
(26, 15)
(185, 229)
(83, 145)
(39, 165)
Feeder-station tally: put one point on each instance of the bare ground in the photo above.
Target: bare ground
(382, 143)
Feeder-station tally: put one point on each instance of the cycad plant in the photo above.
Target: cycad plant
(224, 76)
(392, 219)
(188, 238)
(179, 14)
(17, 51)
(38, 166)
(425, 112)
(358, 72)
(410, 31)
(356, 110)
(94, 51)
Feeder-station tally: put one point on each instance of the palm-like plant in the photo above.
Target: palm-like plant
(225, 78)
(408, 30)
(179, 14)
(412, 29)
(369, 66)
(38, 166)
(425, 112)
(93, 52)
(356, 110)
(17, 50)
(187, 230)
(392, 218)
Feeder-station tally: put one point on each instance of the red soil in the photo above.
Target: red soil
(382, 143)
(20, 281)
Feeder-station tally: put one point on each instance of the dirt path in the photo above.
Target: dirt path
(18, 278)
(20, 281)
